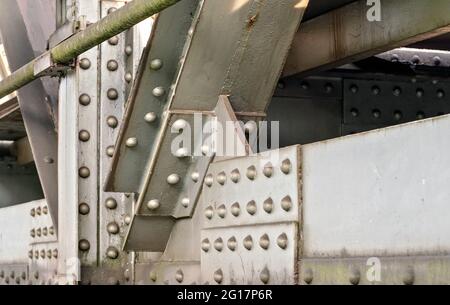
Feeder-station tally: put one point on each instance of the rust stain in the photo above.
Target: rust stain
(252, 20)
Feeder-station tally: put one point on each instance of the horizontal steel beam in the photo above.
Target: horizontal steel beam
(115, 23)
(346, 35)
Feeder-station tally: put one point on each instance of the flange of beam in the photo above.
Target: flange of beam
(346, 35)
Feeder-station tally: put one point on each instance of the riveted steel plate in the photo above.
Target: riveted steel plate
(43, 263)
(257, 191)
(14, 274)
(322, 88)
(414, 270)
(42, 227)
(168, 273)
(418, 57)
(250, 263)
(378, 193)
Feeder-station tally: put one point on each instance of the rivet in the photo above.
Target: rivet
(222, 211)
(38, 232)
(45, 231)
(30, 256)
(354, 89)
(179, 125)
(18, 280)
(264, 276)
(158, 91)
(131, 142)
(205, 149)
(329, 88)
(397, 91)
(206, 245)
(7, 280)
(36, 275)
(355, 276)
(354, 112)
(251, 207)
(282, 241)
(286, 166)
(12, 274)
(128, 50)
(33, 233)
(112, 121)
(420, 115)
(55, 253)
(218, 276)
(437, 61)
(398, 115)
(235, 209)
(264, 241)
(235, 176)
(209, 212)
(153, 204)
(408, 276)
(304, 85)
(36, 254)
(250, 127)
(221, 178)
(182, 152)
(112, 94)
(376, 113)
(113, 228)
(376, 90)
(218, 244)
(150, 117)
(153, 276)
(395, 58)
(308, 276)
(110, 151)
(420, 93)
(112, 65)
(173, 179)
(251, 172)
(33, 212)
(111, 10)
(84, 245)
(42, 254)
(127, 219)
(440, 94)
(195, 176)
(84, 172)
(113, 40)
(185, 202)
(112, 253)
(268, 205)
(232, 243)
(209, 180)
(38, 211)
(248, 243)
(84, 99)
(84, 135)
(85, 63)
(2, 274)
(156, 64)
(49, 160)
(179, 276)
(49, 254)
(111, 203)
(51, 230)
(415, 60)
(191, 31)
(45, 210)
(128, 77)
(286, 203)
(268, 170)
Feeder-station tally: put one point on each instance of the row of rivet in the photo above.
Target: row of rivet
(42, 232)
(268, 206)
(43, 254)
(264, 243)
(397, 114)
(39, 211)
(397, 91)
(12, 276)
(218, 276)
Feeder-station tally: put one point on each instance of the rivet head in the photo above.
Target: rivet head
(308, 276)
(248, 243)
(206, 245)
(354, 89)
(112, 121)
(112, 94)
(355, 276)
(131, 142)
(286, 203)
(55, 253)
(128, 50)
(110, 151)
(440, 94)
(113, 40)
(153, 276)
(268, 170)
(209, 180)
(38, 211)
(111, 203)
(156, 64)
(218, 244)
(268, 205)
(112, 253)
(45, 231)
(33, 212)
(112, 65)
(222, 211)
(84, 172)
(182, 152)
(84, 245)
(85, 63)
(209, 212)
(221, 178)
(51, 230)
(251, 207)
(153, 204)
(235, 176)
(49, 254)
(150, 117)
(286, 166)
(397, 91)
(127, 220)
(179, 125)
(185, 202)
(173, 179)
(218, 276)
(128, 77)
(42, 253)
(195, 176)
(84, 135)
(282, 241)
(38, 232)
(235, 209)
(205, 150)
(232, 243)
(33, 233)
(158, 91)
(264, 276)
(264, 241)
(179, 276)
(30, 256)
(408, 276)
(111, 10)
(113, 228)
(45, 210)
(251, 172)
(84, 99)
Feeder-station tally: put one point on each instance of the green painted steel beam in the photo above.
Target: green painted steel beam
(114, 24)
